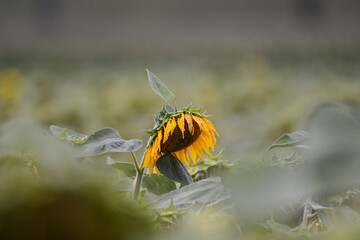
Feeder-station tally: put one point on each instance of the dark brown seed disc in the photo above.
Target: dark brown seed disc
(176, 142)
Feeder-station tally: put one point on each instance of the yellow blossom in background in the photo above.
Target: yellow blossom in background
(11, 85)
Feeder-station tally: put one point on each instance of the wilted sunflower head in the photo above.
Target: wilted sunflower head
(185, 133)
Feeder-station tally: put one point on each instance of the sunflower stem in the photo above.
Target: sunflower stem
(138, 178)
(306, 215)
(135, 161)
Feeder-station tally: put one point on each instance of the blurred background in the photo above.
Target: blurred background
(258, 66)
(261, 68)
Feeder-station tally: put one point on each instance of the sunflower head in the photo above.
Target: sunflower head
(185, 134)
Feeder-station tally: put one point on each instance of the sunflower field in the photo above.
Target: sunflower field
(222, 146)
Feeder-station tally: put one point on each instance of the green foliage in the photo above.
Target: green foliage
(274, 200)
(316, 218)
(127, 168)
(349, 198)
(108, 140)
(48, 193)
(159, 88)
(290, 139)
(171, 216)
(90, 210)
(210, 167)
(171, 167)
(155, 184)
(102, 141)
(68, 135)
(158, 184)
(204, 191)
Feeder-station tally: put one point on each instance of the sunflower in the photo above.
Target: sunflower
(185, 134)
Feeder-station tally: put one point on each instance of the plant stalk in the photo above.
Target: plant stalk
(135, 162)
(306, 215)
(138, 178)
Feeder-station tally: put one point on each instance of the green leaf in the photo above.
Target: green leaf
(102, 134)
(278, 230)
(210, 162)
(171, 167)
(317, 207)
(323, 213)
(127, 168)
(281, 231)
(290, 139)
(108, 140)
(158, 184)
(159, 87)
(67, 134)
(171, 210)
(102, 141)
(170, 108)
(203, 191)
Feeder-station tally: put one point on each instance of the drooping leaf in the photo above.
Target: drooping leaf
(323, 213)
(290, 139)
(102, 134)
(159, 87)
(102, 141)
(317, 207)
(171, 167)
(281, 231)
(278, 230)
(203, 191)
(158, 184)
(108, 140)
(127, 168)
(67, 134)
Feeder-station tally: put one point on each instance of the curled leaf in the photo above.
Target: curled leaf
(290, 139)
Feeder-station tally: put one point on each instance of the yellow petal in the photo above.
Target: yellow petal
(167, 130)
(187, 160)
(211, 126)
(204, 145)
(198, 149)
(192, 153)
(189, 120)
(179, 155)
(154, 147)
(157, 171)
(181, 124)
(159, 141)
(210, 138)
(213, 137)
(172, 125)
(199, 121)
(203, 126)
(151, 166)
(146, 158)
(158, 155)
(153, 162)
